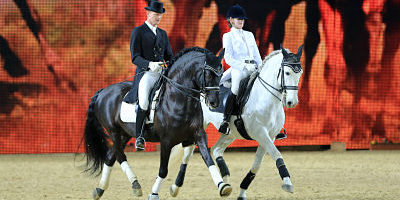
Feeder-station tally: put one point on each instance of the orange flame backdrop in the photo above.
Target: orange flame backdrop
(56, 54)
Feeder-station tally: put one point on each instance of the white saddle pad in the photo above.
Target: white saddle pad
(128, 111)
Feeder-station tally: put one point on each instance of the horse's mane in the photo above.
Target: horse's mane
(272, 54)
(187, 50)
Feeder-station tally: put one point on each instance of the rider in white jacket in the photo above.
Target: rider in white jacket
(241, 53)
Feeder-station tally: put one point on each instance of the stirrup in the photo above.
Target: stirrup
(140, 146)
(224, 128)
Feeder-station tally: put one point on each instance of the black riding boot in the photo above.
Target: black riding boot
(230, 103)
(140, 118)
(281, 135)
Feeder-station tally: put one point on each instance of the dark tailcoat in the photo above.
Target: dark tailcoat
(146, 47)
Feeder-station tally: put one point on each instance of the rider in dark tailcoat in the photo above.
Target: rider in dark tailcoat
(150, 47)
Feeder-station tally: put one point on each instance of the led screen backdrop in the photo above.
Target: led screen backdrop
(56, 54)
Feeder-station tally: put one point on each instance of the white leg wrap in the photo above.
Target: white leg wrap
(215, 174)
(105, 177)
(188, 153)
(242, 193)
(157, 185)
(128, 171)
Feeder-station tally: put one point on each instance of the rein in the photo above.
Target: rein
(203, 90)
(284, 87)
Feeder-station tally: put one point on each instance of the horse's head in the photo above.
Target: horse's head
(211, 75)
(290, 74)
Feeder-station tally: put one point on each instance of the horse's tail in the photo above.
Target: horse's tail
(95, 140)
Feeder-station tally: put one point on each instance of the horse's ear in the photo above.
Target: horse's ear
(298, 55)
(221, 55)
(284, 52)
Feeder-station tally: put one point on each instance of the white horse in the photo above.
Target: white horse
(263, 115)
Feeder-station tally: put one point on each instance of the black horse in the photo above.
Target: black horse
(178, 119)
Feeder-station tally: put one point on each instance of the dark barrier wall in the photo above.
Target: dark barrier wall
(54, 55)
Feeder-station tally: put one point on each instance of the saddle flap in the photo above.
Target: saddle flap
(128, 110)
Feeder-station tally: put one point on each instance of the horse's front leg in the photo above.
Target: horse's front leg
(187, 154)
(218, 150)
(268, 144)
(260, 155)
(163, 170)
(224, 189)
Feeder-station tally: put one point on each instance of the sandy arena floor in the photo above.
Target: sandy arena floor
(315, 175)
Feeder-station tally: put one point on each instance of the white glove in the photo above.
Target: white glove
(250, 67)
(155, 66)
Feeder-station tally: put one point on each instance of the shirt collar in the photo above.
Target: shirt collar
(236, 30)
(152, 28)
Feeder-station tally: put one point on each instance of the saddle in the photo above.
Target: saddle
(128, 110)
(245, 87)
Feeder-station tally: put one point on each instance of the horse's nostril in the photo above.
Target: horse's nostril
(289, 103)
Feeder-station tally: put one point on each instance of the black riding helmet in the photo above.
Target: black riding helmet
(236, 11)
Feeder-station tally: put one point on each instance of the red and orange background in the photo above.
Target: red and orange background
(56, 54)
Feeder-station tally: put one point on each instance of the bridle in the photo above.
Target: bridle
(203, 89)
(295, 66)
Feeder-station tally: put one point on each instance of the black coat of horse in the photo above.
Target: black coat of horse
(178, 119)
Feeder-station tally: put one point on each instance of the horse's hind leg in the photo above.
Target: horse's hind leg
(107, 168)
(119, 144)
(218, 150)
(267, 143)
(260, 155)
(224, 189)
(105, 175)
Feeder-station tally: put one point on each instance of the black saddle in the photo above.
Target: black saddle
(243, 95)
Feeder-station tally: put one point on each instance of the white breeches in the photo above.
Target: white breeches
(237, 76)
(146, 84)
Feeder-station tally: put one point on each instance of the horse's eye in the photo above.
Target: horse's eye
(287, 73)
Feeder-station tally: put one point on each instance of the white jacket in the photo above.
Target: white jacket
(237, 50)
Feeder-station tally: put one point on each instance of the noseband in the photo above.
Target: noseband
(295, 66)
(218, 73)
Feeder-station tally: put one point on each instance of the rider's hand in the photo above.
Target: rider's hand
(250, 67)
(155, 66)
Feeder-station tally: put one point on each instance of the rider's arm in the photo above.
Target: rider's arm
(229, 58)
(136, 50)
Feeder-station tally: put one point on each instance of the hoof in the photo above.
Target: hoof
(226, 179)
(173, 190)
(224, 189)
(97, 193)
(153, 197)
(287, 185)
(137, 189)
(241, 198)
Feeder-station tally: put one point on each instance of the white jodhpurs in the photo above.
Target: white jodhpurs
(237, 76)
(146, 84)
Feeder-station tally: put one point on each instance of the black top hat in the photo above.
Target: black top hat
(236, 11)
(155, 6)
